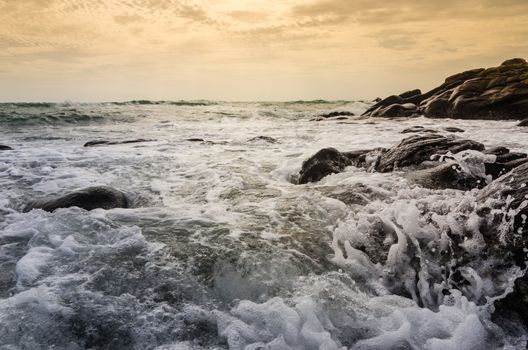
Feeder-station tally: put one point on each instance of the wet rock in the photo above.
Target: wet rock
(396, 111)
(523, 123)
(88, 198)
(394, 99)
(5, 148)
(267, 139)
(496, 150)
(336, 114)
(108, 142)
(453, 129)
(419, 148)
(417, 129)
(195, 139)
(325, 162)
(448, 175)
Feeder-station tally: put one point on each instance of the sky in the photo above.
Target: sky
(275, 50)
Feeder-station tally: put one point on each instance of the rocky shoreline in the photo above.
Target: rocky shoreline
(493, 93)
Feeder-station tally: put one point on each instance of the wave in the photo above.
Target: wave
(175, 103)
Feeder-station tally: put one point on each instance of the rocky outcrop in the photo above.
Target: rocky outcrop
(89, 198)
(446, 175)
(108, 142)
(396, 111)
(5, 148)
(493, 93)
(419, 148)
(325, 162)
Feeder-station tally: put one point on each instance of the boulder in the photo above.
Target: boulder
(108, 142)
(5, 148)
(336, 114)
(394, 99)
(446, 175)
(88, 198)
(396, 111)
(325, 162)
(410, 93)
(419, 148)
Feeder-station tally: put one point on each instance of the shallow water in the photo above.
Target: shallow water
(221, 250)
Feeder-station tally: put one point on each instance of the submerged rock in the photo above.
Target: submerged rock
(88, 198)
(523, 123)
(267, 139)
(325, 162)
(417, 129)
(108, 142)
(5, 148)
(419, 148)
(195, 139)
(453, 129)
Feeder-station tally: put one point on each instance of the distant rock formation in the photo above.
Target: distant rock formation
(109, 142)
(493, 93)
(5, 148)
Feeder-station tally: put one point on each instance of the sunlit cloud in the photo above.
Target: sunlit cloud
(190, 49)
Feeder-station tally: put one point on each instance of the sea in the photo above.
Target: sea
(221, 248)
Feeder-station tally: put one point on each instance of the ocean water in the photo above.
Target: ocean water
(221, 249)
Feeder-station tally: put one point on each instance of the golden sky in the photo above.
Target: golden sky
(108, 50)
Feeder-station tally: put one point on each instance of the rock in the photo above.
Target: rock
(419, 148)
(453, 129)
(523, 123)
(396, 111)
(394, 99)
(410, 93)
(336, 114)
(267, 139)
(417, 129)
(107, 142)
(494, 93)
(325, 162)
(447, 175)
(5, 148)
(496, 150)
(195, 139)
(88, 198)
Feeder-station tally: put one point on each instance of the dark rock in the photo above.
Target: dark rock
(417, 129)
(496, 150)
(453, 129)
(394, 99)
(493, 93)
(377, 99)
(396, 111)
(107, 142)
(88, 198)
(267, 139)
(419, 148)
(365, 158)
(448, 175)
(410, 93)
(336, 114)
(508, 157)
(325, 162)
(5, 148)
(195, 139)
(523, 123)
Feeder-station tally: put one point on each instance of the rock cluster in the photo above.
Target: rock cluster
(493, 93)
